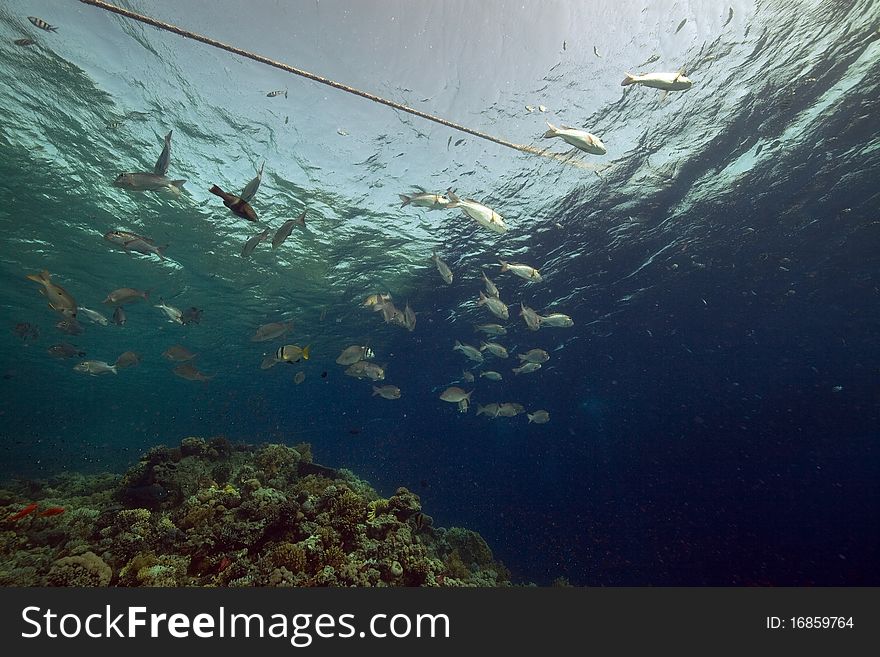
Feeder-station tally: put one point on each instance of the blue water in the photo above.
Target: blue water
(714, 410)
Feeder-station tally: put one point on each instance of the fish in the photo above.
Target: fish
(275, 94)
(286, 228)
(729, 17)
(464, 405)
(491, 329)
(443, 268)
(495, 305)
(252, 243)
(140, 181)
(483, 215)
(271, 331)
(250, 190)
(680, 25)
(354, 353)
(26, 331)
(665, 81)
(542, 108)
(425, 199)
(581, 139)
(29, 509)
(178, 354)
(60, 299)
(538, 417)
(238, 205)
(529, 109)
(557, 320)
(128, 359)
(527, 368)
(161, 166)
(94, 367)
(471, 352)
(24, 42)
(128, 242)
(43, 25)
(534, 356)
(93, 316)
(51, 511)
(467, 376)
(454, 394)
(189, 372)
(596, 52)
(491, 375)
(291, 353)
(489, 410)
(387, 392)
(494, 348)
(299, 377)
(365, 369)
(191, 315)
(174, 315)
(523, 271)
(491, 290)
(269, 361)
(510, 409)
(70, 326)
(119, 317)
(123, 295)
(531, 318)
(65, 350)
(375, 300)
(121, 237)
(650, 60)
(409, 318)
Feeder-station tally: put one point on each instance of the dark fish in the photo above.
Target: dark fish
(26, 331)
(119, 317)
(65, 350)
(252, 243)
(191, 315)
(681, 25)
(238, 205)
(191, 373)
(24, 42)
(286, 228)
(69, 326)
(274, 94)
(729, 17)
(43, 25)
(161, 167)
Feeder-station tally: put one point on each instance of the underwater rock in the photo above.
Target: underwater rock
(86, 569)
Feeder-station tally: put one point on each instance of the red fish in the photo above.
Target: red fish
(51, 511)
(30, 508)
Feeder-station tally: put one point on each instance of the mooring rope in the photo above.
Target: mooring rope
(168, 27)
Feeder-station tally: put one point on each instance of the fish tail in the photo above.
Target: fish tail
(628, 80)
(43, 277)
(375, 391)
(52, 28)
(404, 200)
(218, 192)
(178, 183)
(551, 132)
(504, 265)
(457, 344)
(482, 299)
(450, 193)
(301, 221)
(529, 415)
(113, 369)
(305, 352)
(160, 251)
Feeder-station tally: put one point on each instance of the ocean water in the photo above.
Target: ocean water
(713, 411)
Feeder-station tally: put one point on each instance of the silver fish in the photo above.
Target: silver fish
(523, 271)
(353, 354)
(409, 318)
(148, 182)
(286, 228)
(250, 190)
(94, 367)
(454, 394)
(495, 305)
(175, 316)
(93, 316)
(532, 319)
(467, 376)
(161, 166)
(665, 81)
(145, 247)
(510, 409)
(387, 392)
(271, 331)
(425, 199)
(527, 368)
(491, 375)
(534, 356)
(491, 329)
(557, 320)
(494, 348)
(471, 352)
(491, 290)
(443, 268)
(489, 410)
(539, 417)
(483, 215)
(252, 243)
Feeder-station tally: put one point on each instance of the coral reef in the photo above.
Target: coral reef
(210, 513)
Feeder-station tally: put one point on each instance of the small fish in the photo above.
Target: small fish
(596, 52)
(250, 190)
(581, 139)
(93, 316)
(681, 25)
(252, 243)
(495, 305)
(464, 405)
(26, 331)
(542, 108)
(510, 409)
(471, 352)
(491, 375)
(51, 511)
(353, 354)
(538, 417)
(729, 17)
(123, 295)
(299, 377)
(375, 301)
(531, 318)
(483, 215)
(269, 361)
(387, 392)
(65, 350)
(443, 268)
(161, 166)
(189, 372)
(59, 299)
(489, 410)
(178, 354)
(119, 317)
(291, 353)
(29, 509)
(70, 326)
(530, 109)
(491, 290)
(341, 132)
(665, 81)
(95, 367)
(174, 315)
(494, 348)
(127, 359)
(409, 318)
(238, 205)
(425, 199)
(467, 376)
(366, 370)
(534, 356)
(129, 242)
(286, 228)
(557, 320)
(43, 25)
(140, 181)
(275, 94)
(563, 45)
(24, 42)
(491, 329)
(271, 331)
(650, 60)
(191, 315)
(454, 394)
(523, 271)
(527, 368)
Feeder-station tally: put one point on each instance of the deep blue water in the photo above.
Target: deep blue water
(715, 408)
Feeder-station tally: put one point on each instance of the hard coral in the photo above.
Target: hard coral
(86, 569)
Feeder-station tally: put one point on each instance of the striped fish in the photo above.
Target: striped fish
(43, 25)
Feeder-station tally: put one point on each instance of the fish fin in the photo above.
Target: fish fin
(482, 299)
(160, 251)
(504, 265)
(452, 197)
(42, 278)
(629, 79)
(663, 95)
(405, 200)
(457, 344)
(178, 183)
(529, 415)
(483, 347)
(678, 74)
(113, 369)
(305, 352)
(375, 391)
(301, 221)
(551, 132)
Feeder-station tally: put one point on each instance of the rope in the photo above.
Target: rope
(168, 27)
